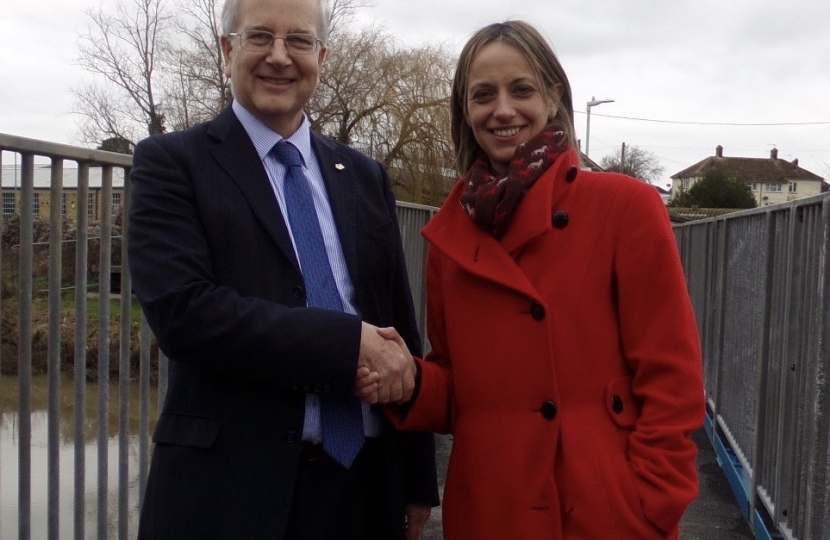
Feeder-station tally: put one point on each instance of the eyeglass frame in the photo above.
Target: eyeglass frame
(274, 37)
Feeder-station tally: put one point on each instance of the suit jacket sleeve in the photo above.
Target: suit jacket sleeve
(213, 286)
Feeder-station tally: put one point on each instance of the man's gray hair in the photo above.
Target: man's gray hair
(229, 15)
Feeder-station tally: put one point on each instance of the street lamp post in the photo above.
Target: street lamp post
(594, 102)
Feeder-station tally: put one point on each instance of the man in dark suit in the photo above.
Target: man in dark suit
(244, 446)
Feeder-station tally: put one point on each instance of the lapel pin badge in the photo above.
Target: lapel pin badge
(339, 166)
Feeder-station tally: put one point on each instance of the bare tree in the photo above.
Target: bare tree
(412, 138)
(636, 162)
(386, 99)
(156, 71)
(196, 85)
(197, 88)
(123, 47)
(392, 103)
(352, 84)
(343, 11)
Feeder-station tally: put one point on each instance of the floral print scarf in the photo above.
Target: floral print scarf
(490, 201)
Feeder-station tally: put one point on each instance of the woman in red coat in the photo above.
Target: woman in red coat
(565, 358)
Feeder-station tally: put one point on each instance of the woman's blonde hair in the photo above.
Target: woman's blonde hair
(541, 58)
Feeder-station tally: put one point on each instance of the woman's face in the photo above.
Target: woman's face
(506, 105)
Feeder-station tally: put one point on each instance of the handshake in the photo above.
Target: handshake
(385, 368)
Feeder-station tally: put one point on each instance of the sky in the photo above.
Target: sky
(685, 77)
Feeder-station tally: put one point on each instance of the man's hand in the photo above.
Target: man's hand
(416, 517)
(366, 384)
(384, 355)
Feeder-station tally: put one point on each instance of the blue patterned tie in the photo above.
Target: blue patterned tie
(341, 417)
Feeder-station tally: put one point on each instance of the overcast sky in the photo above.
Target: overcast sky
(684, 76)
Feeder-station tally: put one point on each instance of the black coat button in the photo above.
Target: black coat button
(616, 404)
(548, 410)
(298, 292)
(560, 219)
(537, 311)
(570, 176)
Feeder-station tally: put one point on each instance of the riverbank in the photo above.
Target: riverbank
(10, 333)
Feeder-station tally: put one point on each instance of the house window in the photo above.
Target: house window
(773, 187)
(116, 203)
(90, 205)
(36, 204)
(793, 187)
(685, 183)
(752, 185)
(9, 204)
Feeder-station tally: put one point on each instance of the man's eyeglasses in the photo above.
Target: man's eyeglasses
(262, 41)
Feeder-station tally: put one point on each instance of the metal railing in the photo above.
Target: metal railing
(99, 508)
(411, 219)
(759, 281)
(28, 309)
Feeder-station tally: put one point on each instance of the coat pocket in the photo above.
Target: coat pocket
(620, 403)
(186, 430)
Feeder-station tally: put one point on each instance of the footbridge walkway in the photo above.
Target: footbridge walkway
(82, 380)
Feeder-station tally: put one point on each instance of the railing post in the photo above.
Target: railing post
(54, 347)
(817, 516)
(761, 424)
(24, 349)
(124, 375)
(80, 354)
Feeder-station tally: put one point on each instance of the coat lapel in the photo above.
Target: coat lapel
(236, 154)
(453, 233)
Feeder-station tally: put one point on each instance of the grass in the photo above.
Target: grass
(40, 302)
(40, 326)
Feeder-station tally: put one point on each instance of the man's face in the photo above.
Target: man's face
(274, 85)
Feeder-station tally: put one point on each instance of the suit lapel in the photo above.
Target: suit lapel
(236, 154)
(338, 176)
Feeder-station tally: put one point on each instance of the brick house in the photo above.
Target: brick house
(11, 195)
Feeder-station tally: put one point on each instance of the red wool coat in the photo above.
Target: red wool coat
(565, 362)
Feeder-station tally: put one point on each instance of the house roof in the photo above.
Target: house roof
(589, 163)
(769, 170)
(680, 215)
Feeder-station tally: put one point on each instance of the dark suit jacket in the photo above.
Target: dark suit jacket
(215, 272)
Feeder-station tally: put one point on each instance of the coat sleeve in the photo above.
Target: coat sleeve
(417, 448)
(431, 410)
(660, 342)
(203, 319)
